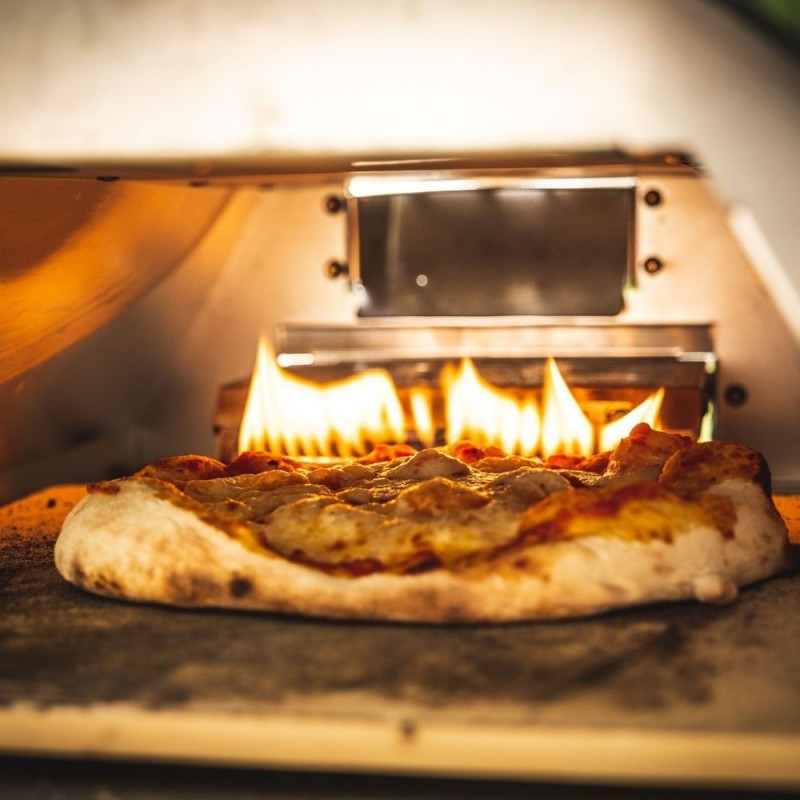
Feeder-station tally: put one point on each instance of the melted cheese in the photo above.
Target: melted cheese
(633, 511)
(430, 509)
(392, 537)
(425, 510)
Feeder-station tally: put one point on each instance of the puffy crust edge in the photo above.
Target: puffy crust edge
(136, 545)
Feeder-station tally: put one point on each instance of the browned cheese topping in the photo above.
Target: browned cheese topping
(404, 511)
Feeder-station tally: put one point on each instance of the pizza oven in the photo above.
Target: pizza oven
(617, 272)
(313, 227)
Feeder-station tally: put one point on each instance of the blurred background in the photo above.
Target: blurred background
(295, 91)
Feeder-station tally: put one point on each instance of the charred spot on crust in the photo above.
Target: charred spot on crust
(240, 587)
(107, 585)
(103, 487)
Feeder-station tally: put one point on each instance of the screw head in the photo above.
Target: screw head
(334, 269)
(736, 395)
(652, 197)
(653, 264)
(335, 204)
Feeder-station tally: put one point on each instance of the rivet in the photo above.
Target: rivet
(736, 395)
(652, 197)
(653, 264)
(334, 269)
(334, 204)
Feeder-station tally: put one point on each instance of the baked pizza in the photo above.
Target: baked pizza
(454, 534)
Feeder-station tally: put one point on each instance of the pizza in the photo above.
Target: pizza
(453, 534)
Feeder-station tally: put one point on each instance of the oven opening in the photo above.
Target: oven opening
(326, 403)
(492, 306)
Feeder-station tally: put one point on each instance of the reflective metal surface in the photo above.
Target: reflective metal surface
(406, 339)
(75, 253)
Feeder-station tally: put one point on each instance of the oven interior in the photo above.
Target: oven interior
(138, 301)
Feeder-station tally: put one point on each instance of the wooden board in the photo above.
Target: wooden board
(672, 694)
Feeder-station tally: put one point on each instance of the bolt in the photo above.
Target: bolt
(335, 269)
(653, 197)
(653, 264)
(735, 395)
(334, 204)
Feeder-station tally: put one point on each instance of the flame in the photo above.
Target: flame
(480, 412)
(285, 414)
(565, 428)
(421, 401)
(288, 415)
(647, 411)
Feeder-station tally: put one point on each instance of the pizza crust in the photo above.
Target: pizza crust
(135, 543)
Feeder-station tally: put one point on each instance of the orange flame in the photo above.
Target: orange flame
(565, 428)
(288, 415)
(647, 411)
(285, 414)
(420, 399)
(478, 411)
